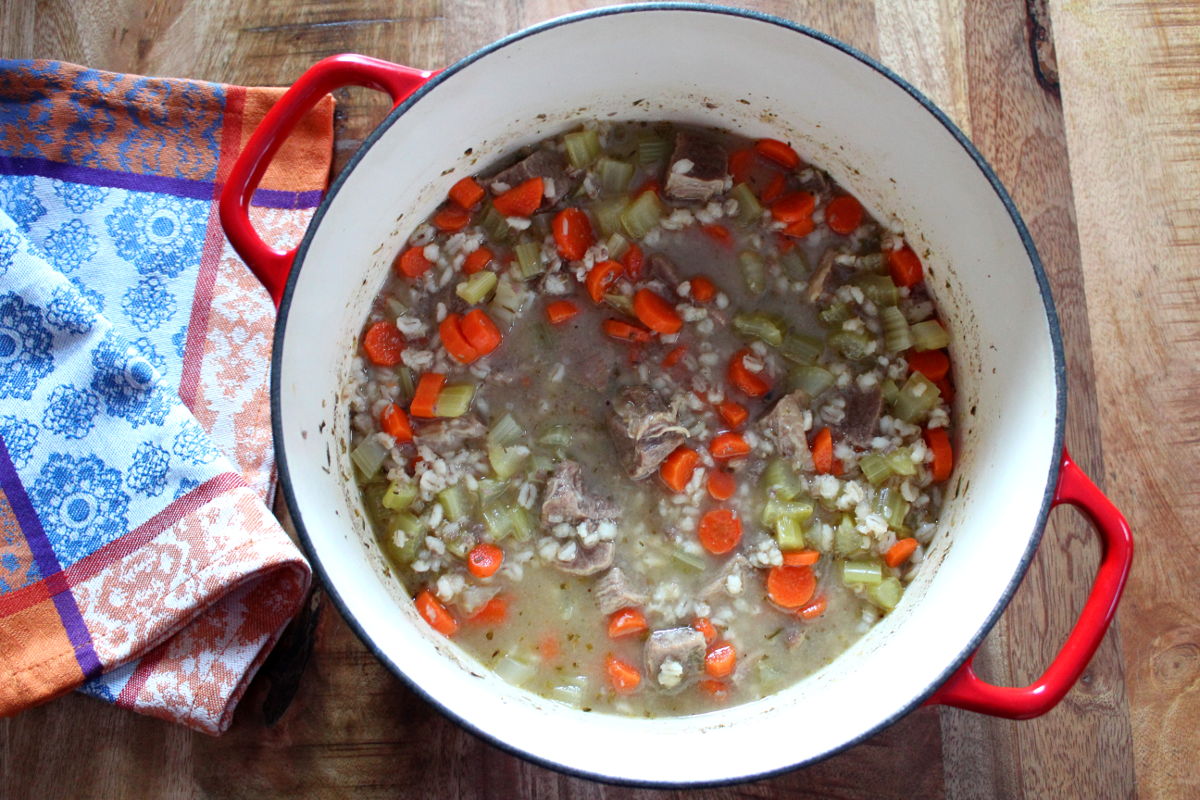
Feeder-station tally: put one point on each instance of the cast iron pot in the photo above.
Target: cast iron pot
(880, 138)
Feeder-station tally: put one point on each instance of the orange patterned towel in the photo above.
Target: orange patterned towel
(139, 561)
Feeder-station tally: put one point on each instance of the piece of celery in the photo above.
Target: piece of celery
(916, 399)
(529, 258)
(455, 400)
(868, 572)
(896, 334)
(369, 456)
(929, 335)
(475, 289)
(754, 271)
(801, 349)
(886, 594)
(812, 380)
(749, 209)
(582, 147)
(759, 325)
(642, 215)
(615, 176)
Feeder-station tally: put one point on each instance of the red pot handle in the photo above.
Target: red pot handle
(965, 690)
(269, 265)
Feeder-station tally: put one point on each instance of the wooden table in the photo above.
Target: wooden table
(1119, 232)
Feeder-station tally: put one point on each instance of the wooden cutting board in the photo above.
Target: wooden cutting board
(355, 730)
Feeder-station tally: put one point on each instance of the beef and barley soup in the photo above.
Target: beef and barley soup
(653, 419)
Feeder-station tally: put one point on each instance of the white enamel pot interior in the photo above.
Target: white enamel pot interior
(880, 139)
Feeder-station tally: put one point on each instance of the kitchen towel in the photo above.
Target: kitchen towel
(139, 561)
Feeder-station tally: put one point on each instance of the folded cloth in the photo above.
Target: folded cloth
(139, 561)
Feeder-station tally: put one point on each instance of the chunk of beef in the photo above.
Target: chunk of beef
(737, 567)
(614, 591)
(545, 164)
(863, 409)
(706, 174)
(566, 501)
(589, 560)
(821, 284)
(684, 646)
(659, 265)
(448, 435)
(784, 424)
(643, 430)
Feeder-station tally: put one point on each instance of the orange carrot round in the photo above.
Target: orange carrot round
(624, 332)
(451, 218)
(720, 531)
(740, 163)
(623, 676)
(815, 607)
(777, 151)
(484, 560)
(721, 484)
(477, 260)
(752, 383)
(572, 233)
(900, 552)
(521, 200)
(436, 614)
(412, 262)
(801, 227)
(672, 358)
(822, 452)
(728, 445)
(626, 622)
(843, 214)
(905, 267)
(467, 192)
(634, 262)
(394, 422)
(791, 587)
(456, 344)
(601, 277)
(719, 234)
(801, 558)
(734, 414)
(676, 469)
(425, 397)
(478, 329)
(943, 452)
(774, 190)
(383, 343)
(793, 207)
(656, 313)
(933, 364)
(560, 311)
(720, 660)
(703, 290)
(493, 612)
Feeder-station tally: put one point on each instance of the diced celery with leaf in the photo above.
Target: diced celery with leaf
(900, 461)
(455, 400)
(399, 495)
(455, 501)
(789, 534)
(369, 456)
(754, 271)
(780, 480)
(846, 539)
(642, 215)
(759, 325)
(749, 209)
(835, 314)
(896, 333)
(475, 289)
(608, 212)
(875, 468)
(617, 246)
(854, 345)
(615, 176)
(529, 258)
(887, 593)
(917, 397)
(510, 296)
(811, 379)
(494, 224)
(879, 289)
(505, 431)
(929, 335)
(867, 572)
(652, 150)
(506, 461)
(801, 348)
(582, 147)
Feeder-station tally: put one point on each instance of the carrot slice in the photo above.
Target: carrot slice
(752, 383)
(548, 647)
(822, 451)
(560, 311)
(634, 261)
(656, 313)
(623, 676)
(900, 552)
(436, 614)
(777, 151)
(720, 660)
(521, 200)
(705, 626)
(383, 343)
(815, 608)
(484, 560)
(791, 587)
(721, 484)
(801, 558)
(672, 358)
(572, 233)
(774, 190)
(717, 690)
(477, 260)
(733, 413)
(480, 331)
(719, 234)
(843, 214)
(943, 453)
(394, 423)
(602, 276)
(676, 469)
(626, 622)
(703, 290)
(455, 342)
(425, 397)
(467, 192)
(905, 267)
(720, 531)
(740, 163)
(624, 332)
(493, 612)
(728, 445)
(793, 207)
(412, 262)
(449, 219)
(933, 364)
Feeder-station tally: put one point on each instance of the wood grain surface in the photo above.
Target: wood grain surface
(1128, 80)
